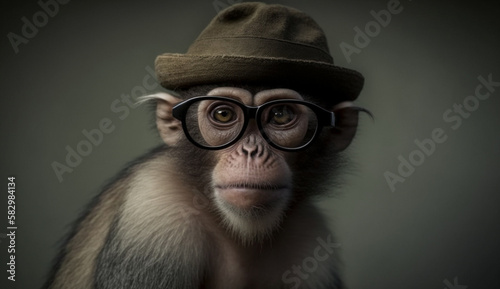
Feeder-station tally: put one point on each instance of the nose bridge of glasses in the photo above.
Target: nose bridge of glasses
(251, 129)
(251, 126)
(251, 112)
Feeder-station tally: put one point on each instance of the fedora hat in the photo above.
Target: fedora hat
(256, 43)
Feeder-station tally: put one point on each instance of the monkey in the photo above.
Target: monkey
(228, 199)
(155, 227)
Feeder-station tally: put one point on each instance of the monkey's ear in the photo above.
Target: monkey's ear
(170, 128)
(346, 124)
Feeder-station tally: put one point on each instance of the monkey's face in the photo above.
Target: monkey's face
(251, 138)
(251, 181)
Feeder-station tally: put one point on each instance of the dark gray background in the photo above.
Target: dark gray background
(441, 223)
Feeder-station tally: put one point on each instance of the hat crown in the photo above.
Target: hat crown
(257, 29)
(256, 43)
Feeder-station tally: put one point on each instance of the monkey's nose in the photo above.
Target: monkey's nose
(251, 146)
(249, 150)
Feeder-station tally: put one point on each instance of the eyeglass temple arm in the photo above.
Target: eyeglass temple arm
(327, 118)
(331, 117)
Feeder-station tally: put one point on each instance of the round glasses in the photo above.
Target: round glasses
(215, 122)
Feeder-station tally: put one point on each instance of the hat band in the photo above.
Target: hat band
(259, 47)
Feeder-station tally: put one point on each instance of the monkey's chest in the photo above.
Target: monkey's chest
(236, 269)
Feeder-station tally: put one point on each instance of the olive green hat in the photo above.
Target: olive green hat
(266, 44)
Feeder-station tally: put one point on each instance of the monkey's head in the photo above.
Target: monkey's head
(259, 103)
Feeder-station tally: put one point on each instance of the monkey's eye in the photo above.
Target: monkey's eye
(281, 115)
(223, 114)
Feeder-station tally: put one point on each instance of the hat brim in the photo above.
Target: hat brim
(332, 84)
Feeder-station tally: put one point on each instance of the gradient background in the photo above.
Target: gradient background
(441, 223)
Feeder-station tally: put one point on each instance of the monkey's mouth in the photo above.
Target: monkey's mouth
(251, 196)
(262, 187)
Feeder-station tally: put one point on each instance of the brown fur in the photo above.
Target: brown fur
(160, 226)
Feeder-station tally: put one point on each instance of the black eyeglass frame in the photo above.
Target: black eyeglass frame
(325, 118)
